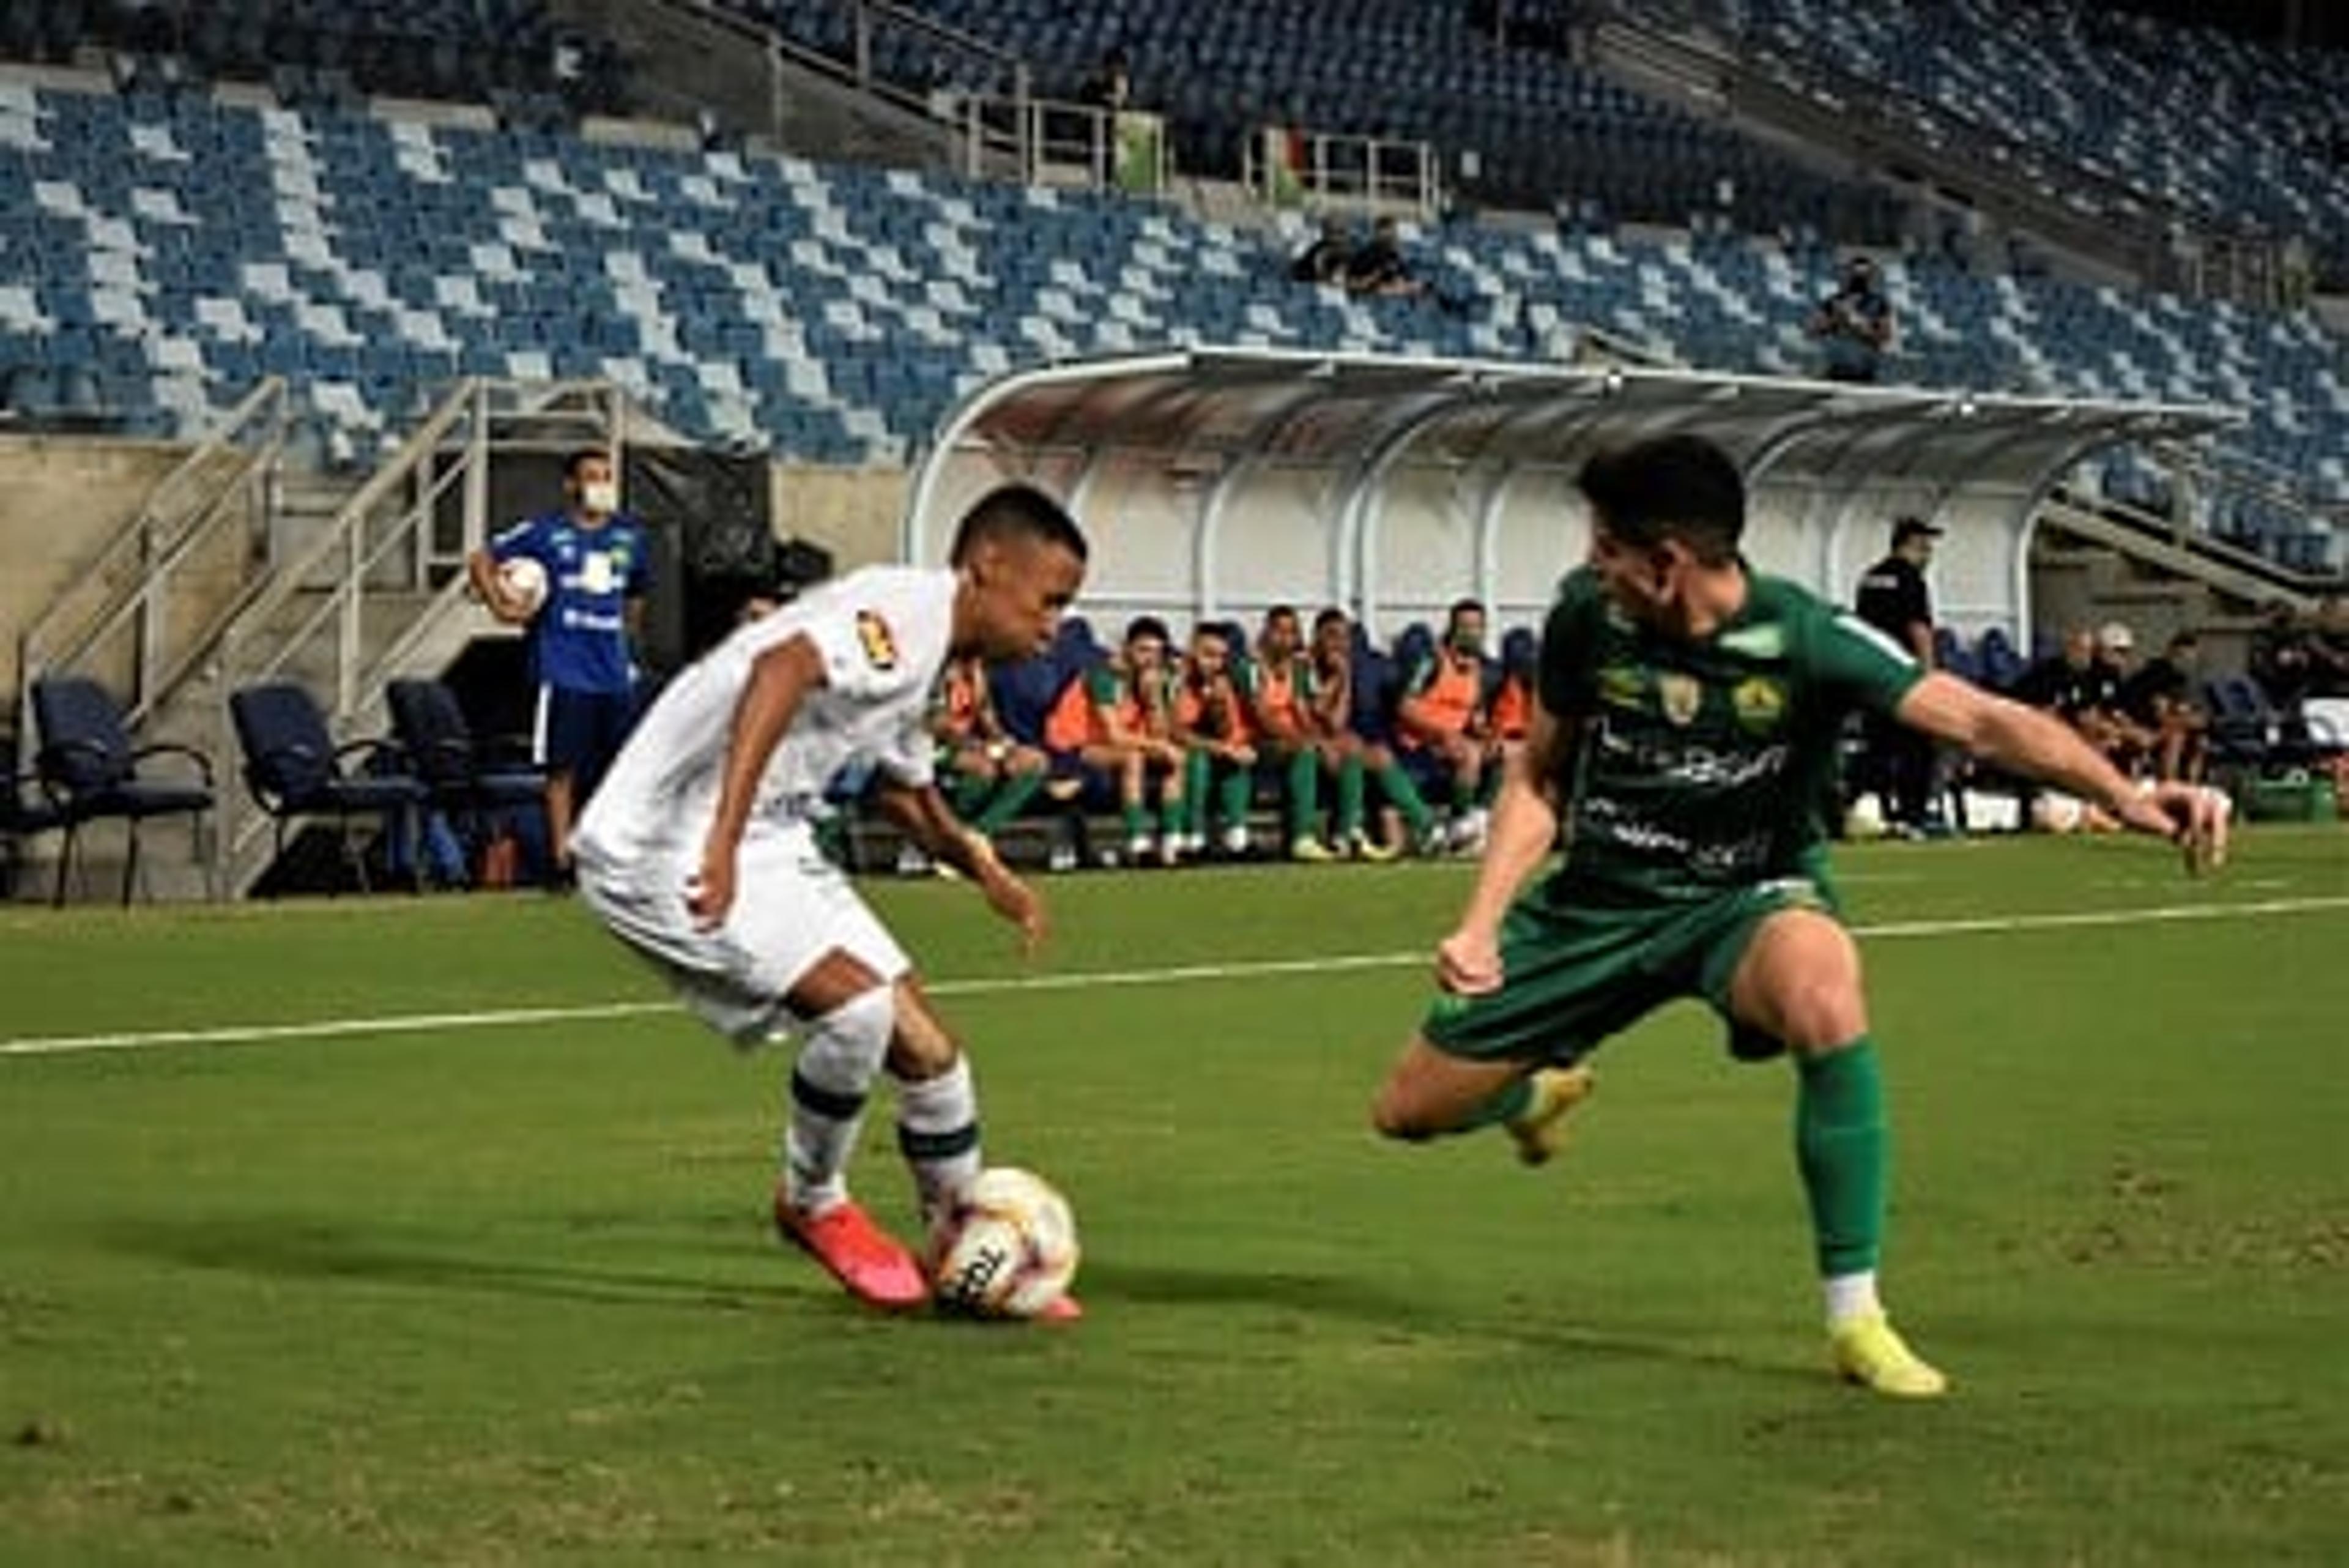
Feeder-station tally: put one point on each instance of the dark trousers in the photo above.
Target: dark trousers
(1901, 770)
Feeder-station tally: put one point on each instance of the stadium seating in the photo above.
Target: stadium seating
(158, 254)
(1542, 129)
(2214, 123)
(326, 51)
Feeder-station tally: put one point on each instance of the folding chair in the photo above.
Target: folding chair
(293, 769)
(90, 771)
(459, 774)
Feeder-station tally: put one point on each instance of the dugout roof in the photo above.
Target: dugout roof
(1217, 480)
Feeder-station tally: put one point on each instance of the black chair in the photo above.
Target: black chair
(293, 769)
(90, 771)
(25, 815)
(470, 781)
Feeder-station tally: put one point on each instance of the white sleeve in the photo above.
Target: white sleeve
(863, 659)
(911, 758)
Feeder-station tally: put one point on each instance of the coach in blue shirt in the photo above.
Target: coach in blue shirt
(580, 638)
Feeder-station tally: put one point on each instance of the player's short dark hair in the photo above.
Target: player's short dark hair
(1020, 512)
(1143, 626)
(1279, 612)
(1679, 487)
(1461, 607)
(1330, 615)
(580, 457)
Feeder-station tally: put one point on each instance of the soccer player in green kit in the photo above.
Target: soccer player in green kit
(1687, 723)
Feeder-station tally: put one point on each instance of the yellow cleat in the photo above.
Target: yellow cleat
(1540, 1132)
(1311, 850)
(1869, 1352)
(1365, 847)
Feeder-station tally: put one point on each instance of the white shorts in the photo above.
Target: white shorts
(791, 906)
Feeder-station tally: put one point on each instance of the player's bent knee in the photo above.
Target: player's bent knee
(1822, 1018)
(845, 1046)
(919, 1047)
(1393, 1117)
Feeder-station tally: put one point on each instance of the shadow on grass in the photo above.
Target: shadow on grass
(309, 1249)
(1399, 1316)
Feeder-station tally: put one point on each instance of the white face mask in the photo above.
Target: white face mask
(599, 495)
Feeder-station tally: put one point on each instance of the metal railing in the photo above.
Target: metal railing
(407, 531)
(165, 589)
(350, 610)
(1285, 167)
(1045, 141)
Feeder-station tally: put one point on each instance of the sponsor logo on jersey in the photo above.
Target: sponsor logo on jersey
(880, 644)
(1760, 703)
(1680, 696)
(1621, 686)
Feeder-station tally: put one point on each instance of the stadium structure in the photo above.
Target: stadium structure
(298, 299)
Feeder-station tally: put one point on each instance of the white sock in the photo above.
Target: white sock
(938, 1132)
(1849, 1297)
(829, 1084)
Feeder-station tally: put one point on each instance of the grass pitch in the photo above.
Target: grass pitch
(360, 1267)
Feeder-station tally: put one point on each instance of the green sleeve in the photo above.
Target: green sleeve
(1856, 664)
(1565, 676)
(1102, 686)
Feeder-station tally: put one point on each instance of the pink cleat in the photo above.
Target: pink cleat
(873, 1264)
(1064, 1309)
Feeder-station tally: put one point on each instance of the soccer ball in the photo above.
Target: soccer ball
(525, 578)
(1005, 1247)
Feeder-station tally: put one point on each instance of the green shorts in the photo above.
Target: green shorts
(1576, 972)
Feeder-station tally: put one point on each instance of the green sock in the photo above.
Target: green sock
(967, 792)
(1234, 792)
(1509, 1101)
(1137, 820)
(1016, 791)
(1396, 782)
(1174, 816)
(1350, 799)
(1840, 1144)
(1304, 794)
(1195, 790)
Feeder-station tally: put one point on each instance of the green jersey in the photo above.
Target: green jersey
(1698, 767)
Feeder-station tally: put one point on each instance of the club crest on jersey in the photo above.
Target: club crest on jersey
(880, 644)
(1620, 686)
(1760, 703)
(1680, 696)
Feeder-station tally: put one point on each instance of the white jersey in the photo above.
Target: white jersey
(882, 633)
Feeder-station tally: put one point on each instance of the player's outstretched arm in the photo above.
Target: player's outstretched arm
(1524, 828)
(922, 813)
(2037, 745)
(781, 678)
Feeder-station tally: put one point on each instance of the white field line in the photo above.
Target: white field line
(1177, 974)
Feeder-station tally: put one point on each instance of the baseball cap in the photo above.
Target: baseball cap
(2113, 634)
(1907, 528)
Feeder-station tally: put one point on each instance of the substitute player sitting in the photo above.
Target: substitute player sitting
(699, 853)
(1686, 718)
(988, 775)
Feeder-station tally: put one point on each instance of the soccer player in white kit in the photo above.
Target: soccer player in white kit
(698, 852)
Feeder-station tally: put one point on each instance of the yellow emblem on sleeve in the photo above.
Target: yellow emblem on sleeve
(880, 644)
